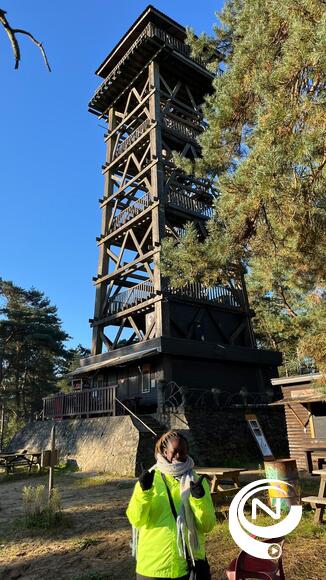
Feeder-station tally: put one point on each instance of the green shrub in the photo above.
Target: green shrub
(34, 501)
(40, 512)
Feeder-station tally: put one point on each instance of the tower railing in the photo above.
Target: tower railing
(86, 402)
(149, 31)
(188, 203)
(179, 127)
(177, 44)
(132, 138)
(135, 208)
(218, 294)
(135, 295)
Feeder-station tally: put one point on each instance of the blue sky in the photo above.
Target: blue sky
(51, 148)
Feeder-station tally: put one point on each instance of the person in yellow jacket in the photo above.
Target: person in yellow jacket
(170, 511)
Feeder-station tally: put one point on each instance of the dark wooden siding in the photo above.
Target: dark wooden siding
(297, 416)
(297, 437)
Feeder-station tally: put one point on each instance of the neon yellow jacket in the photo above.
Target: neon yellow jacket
(150, 512)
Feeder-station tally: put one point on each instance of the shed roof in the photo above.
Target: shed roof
(314, 398)
(297, 379)
(112, 362)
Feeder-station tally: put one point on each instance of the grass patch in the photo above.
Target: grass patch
(21, 472)
(307, 529)
(46, 521)
(95, 480)
(66, 468)
(85, 543)
(39, 511)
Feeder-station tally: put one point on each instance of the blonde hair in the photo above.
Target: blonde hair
(163, 442)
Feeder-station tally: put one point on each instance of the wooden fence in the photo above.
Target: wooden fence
(98, 401)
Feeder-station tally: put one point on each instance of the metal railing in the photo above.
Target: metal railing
(97, 401)
(135, 208)
(221, 295)
(189, 203)
(135, 295)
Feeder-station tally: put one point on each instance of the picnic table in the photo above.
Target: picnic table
(318, 502)
(318, 453)
(11, 460)
(224, 483)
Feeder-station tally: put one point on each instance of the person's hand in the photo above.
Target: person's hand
(196, 488)
(146, 479)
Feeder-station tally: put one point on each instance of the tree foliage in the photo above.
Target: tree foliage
(32, 350)
(76, 354)
(265, 147)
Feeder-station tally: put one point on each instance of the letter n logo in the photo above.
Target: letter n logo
(257, 503)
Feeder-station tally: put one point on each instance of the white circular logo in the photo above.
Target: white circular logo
(240, 528)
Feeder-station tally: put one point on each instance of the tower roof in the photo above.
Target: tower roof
(153, 35)
(150, 14)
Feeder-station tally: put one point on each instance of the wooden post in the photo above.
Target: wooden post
(87, 403)
(103, 260)
(158, 192)
(2, 424)
(113, 393)
(51, 469)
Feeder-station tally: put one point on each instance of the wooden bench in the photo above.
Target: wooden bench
(224, 484)
(317, 453)
(318, 502)
(11, 460)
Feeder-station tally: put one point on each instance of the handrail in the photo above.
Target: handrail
(180, 127)
(96, 401)
(133, 414)
(132, 137)
(136, 207)
(189, 203)
(177, 44)
(135, 295)
(217, 294)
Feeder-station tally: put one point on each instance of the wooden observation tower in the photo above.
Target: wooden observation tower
(145, 333)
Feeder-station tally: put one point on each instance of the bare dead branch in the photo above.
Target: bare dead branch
(11, 35)
(37, 42)
(11, 32)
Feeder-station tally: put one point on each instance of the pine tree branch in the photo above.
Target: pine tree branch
(286, 304)
(11, 33)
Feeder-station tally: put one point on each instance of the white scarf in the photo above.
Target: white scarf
(186, 526)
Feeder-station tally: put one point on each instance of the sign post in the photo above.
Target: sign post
(49, 458)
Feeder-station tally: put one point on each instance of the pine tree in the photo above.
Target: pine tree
(32, 351)
(265, 148)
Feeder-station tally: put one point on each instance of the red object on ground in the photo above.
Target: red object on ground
(246, 566)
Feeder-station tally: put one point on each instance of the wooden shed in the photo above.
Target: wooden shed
(305, 413)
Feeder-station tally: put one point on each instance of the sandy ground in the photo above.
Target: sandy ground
(95, 538)
(95, 544)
